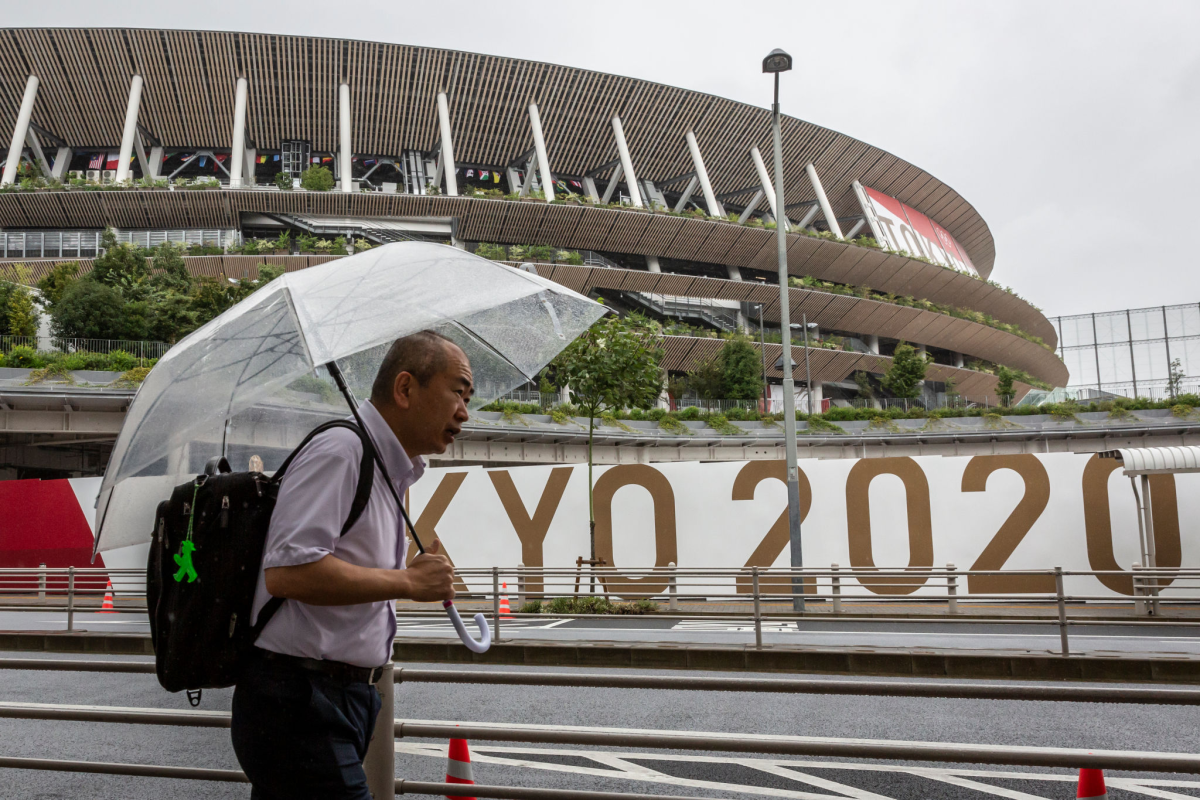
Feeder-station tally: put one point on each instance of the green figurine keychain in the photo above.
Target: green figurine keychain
(184, 558)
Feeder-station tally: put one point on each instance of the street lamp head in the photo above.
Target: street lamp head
(777, 61)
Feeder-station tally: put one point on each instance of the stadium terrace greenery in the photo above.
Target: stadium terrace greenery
(1183, 406)
(321, 180)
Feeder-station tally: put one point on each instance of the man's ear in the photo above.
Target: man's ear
(402, 390)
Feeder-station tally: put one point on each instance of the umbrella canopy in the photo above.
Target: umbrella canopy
(250, 380)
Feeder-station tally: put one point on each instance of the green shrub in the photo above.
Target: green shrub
(532, 607)
(24, 358)
(120, 361)
(316, 179)
(491, 251)
(284, 181)
(131, 378)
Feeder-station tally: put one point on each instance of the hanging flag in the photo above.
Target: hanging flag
(577, 184)
(203, 160)
(483, 174)
(495, 177)
(221, 157)
(263, 159)
(276, 157)
(97, 161)
(470, 173)
(316, 159)
(114, 160)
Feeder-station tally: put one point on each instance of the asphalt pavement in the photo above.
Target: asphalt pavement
(708, 774)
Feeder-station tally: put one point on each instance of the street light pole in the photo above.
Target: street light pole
(762, 351)
(807, 375)
(776, 62)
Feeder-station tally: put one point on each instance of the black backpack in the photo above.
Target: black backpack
(205, 556)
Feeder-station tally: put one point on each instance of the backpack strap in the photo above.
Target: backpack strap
(362, 495)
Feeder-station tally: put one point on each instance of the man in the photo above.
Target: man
(304, 710)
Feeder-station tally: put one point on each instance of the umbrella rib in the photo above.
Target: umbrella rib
(489, 346)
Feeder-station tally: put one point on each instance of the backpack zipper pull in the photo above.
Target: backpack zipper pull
(224, 519)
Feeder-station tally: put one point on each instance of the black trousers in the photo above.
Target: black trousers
(301, 734)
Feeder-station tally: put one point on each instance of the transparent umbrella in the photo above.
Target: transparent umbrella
(254, 378)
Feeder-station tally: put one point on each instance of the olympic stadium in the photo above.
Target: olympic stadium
(652, 197)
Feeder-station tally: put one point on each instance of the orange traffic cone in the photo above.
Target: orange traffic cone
(505, 609)
(458, 766)
(107, 606)
(1091, 785)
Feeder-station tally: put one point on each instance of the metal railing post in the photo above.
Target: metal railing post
(1139, 591)
(520, 586)
(42, 582)
(672, 589)
(1062, 610)
(757, 611)
(495, 604)
(70, 598)
(380, 763)
(836, 588)
(951, 590)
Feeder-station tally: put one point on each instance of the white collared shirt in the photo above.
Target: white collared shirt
(313, 505)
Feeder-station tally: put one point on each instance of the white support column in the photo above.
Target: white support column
(139, 150)
(688, 191)
(710, 199)
(249, 164)
(612, 185)
(447, 163)
(130, 131)
(734, 273)
(589, 186)
(809, 216)
(238, 157)
(635, 196)
(753, 204)
(543, 160)
(872, 342)
(157, 154)
(19, 130)
(62, 161)
(958, 360)
(514, 180)
(866, 209)
(39, 157)
(850, 234)
(652, 264)
(530, 176)
(767, 186)
(344, 140)
(826, 209)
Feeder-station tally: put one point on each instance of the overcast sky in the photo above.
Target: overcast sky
(1070, 126)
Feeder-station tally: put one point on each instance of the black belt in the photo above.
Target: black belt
(335, 669)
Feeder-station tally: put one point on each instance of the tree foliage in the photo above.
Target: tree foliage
(316, 179)
(613, 365)
(741, 370)
(1004, 384)
(904, 377)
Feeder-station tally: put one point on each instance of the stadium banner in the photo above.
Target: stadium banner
(902, 227)
(987, 512)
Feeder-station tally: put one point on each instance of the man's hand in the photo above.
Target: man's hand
(430, 576)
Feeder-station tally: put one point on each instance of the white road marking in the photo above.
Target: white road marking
(620, 767)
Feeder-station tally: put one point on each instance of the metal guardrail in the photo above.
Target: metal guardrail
(1128, 695)
(382, 773)
(140, 350)
(728, 594)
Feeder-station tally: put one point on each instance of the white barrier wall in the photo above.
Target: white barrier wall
(983, 512)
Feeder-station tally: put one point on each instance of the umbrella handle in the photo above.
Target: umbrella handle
(485, 640)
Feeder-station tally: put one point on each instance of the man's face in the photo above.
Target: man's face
(439, 408)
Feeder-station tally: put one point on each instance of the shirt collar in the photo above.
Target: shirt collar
(404, 470)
